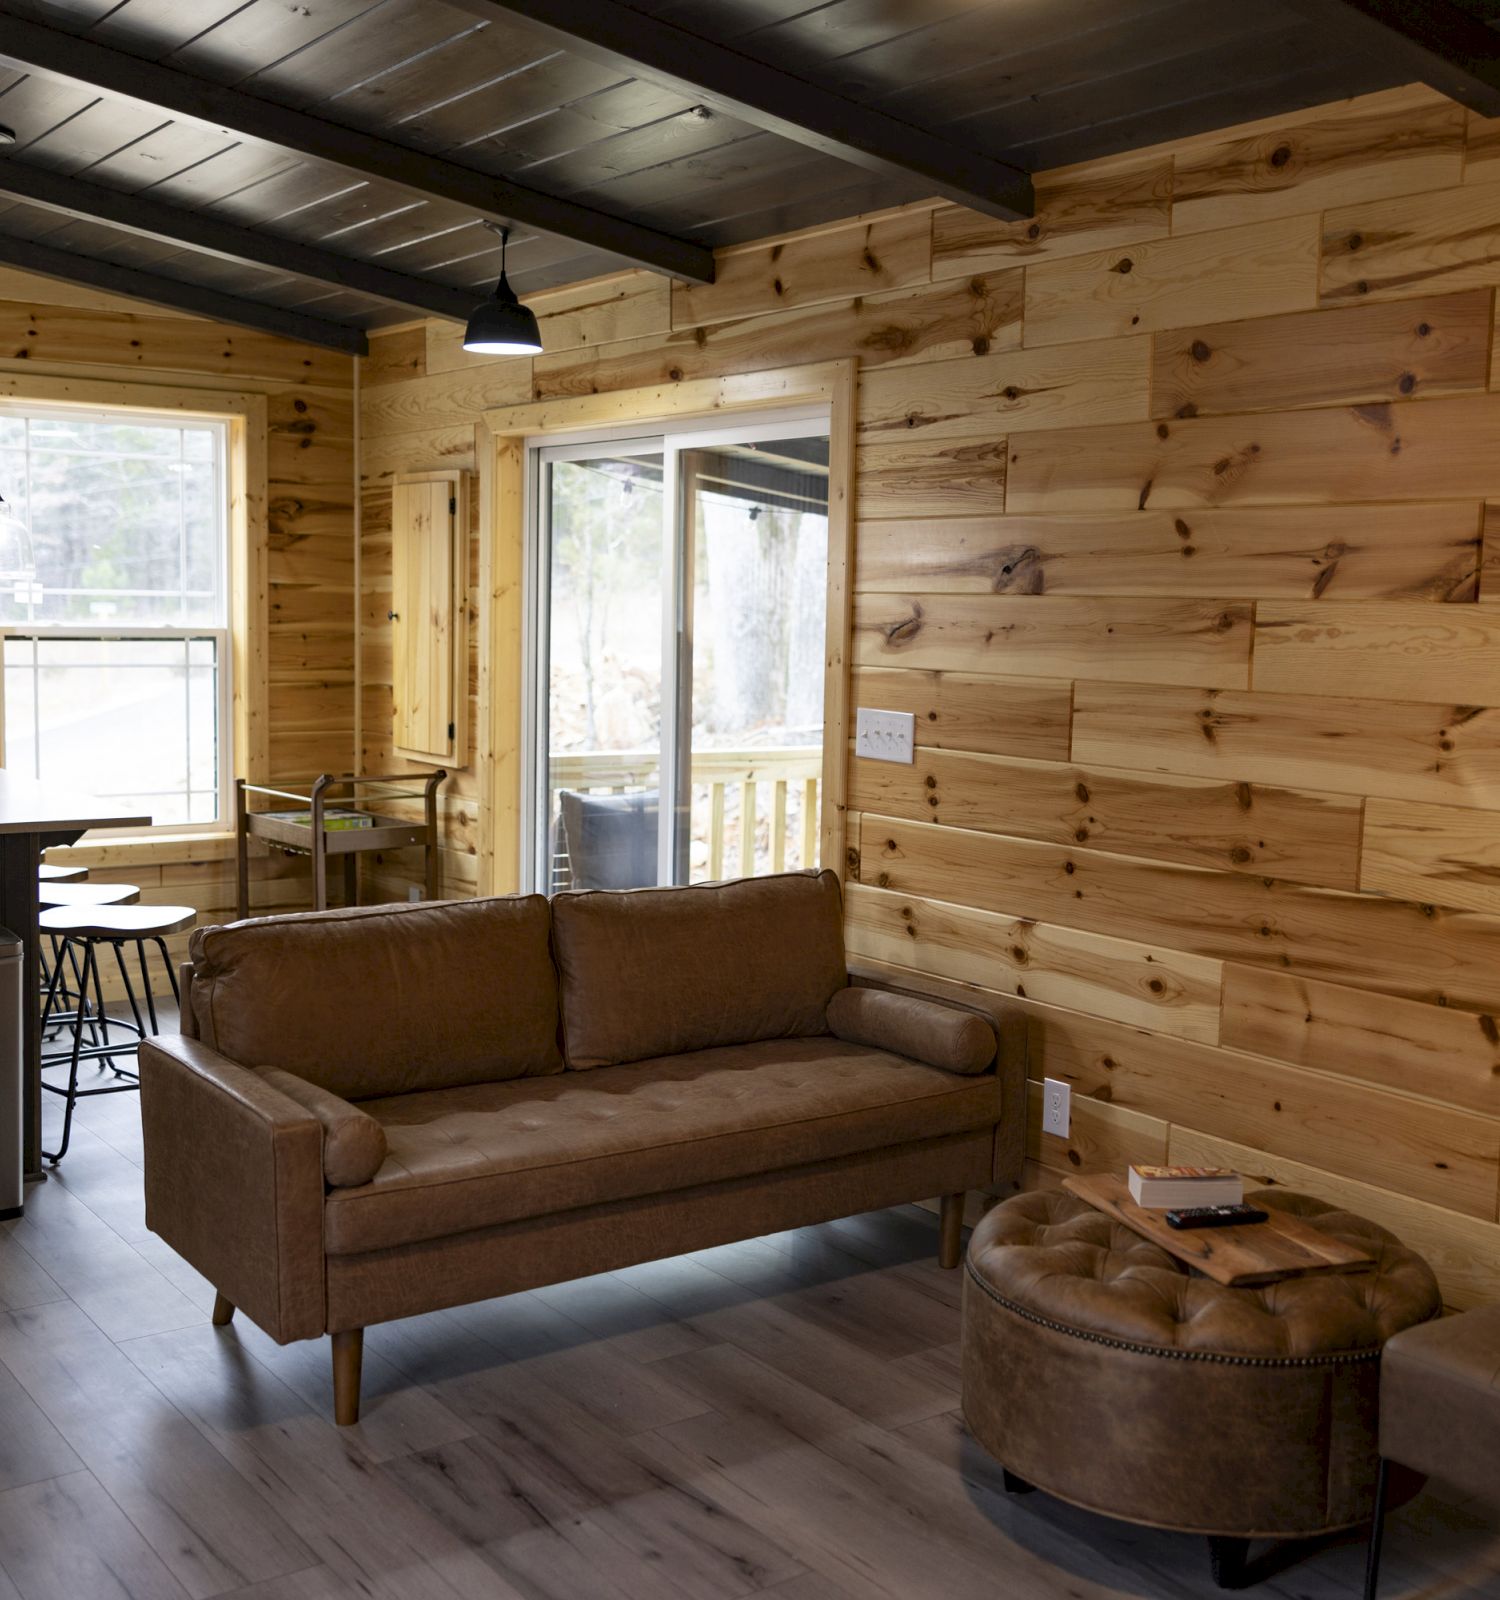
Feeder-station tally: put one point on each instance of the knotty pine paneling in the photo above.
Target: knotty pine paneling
(1356, 355)
(1252, 271)
(1384, 650)
(1144, 985)
(1439, 753)
(1422, 952)
(970, 316)
(1011, 390)
(1441, 854)
(1428, 450)
(1196, 531)
(1439, 1052)
(956, 711)
(1428, 550)
(1407, 142)
(1102, 1138)
(907, 473)
(150, 345)
(1429, 1151)
(1294, 834)
(1153, 641)
(886, 252)
(1077, 210)
(1489, 559)
(1391, 249)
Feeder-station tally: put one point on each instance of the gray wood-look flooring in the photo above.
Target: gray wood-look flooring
(777, 1418)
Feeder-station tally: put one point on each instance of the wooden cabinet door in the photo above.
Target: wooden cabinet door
(429, 546)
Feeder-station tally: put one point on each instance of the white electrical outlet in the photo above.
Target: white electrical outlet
(1057, 1107)
(413, 892)
(885, 735)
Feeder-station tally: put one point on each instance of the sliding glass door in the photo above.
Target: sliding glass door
(675, 652)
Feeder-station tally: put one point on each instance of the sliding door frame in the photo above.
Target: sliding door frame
(502, 452)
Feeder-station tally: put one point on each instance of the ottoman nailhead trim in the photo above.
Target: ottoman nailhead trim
(1328, 1359)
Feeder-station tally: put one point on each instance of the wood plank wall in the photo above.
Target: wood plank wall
(56, 330)
(1178, 532)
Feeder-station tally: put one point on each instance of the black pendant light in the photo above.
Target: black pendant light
(502, 326)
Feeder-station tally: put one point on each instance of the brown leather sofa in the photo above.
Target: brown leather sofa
(379, 1112)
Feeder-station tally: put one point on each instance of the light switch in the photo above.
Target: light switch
(885, 735)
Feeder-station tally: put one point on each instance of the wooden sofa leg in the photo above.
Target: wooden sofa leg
(348, 1355)
(223, 1311)
(951, 1231)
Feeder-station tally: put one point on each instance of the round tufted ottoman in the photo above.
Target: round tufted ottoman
(1101, 1369)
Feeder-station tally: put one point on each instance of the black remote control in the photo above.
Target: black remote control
(1214, 1216)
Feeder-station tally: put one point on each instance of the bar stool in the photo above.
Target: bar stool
(81, 930)
(61, 886)
(47, 873)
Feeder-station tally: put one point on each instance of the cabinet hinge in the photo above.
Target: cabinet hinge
(452, 505)
(450, 730)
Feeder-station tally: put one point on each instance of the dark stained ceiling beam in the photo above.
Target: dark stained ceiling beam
(1427, 41)
(198, 230)
(69, 267)
(61, 55)
(766, 97)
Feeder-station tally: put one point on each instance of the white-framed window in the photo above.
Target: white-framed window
(116, 653)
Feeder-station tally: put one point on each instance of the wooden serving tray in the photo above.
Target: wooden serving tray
(1258, 1252)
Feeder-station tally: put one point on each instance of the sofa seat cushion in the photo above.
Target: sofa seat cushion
(475, 1156)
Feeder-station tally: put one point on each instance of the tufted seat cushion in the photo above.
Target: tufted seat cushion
(483, 1154)
(1054, 1255)
(1102, 1369)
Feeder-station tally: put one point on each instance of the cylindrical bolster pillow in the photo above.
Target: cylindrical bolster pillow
(353, 1141)
(925, 1030)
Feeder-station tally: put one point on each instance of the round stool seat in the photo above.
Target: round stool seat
(117, 921)
(87, 894)
(46, 873)
(1105, 1371)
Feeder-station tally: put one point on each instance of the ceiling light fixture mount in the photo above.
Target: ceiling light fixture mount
(502, 326)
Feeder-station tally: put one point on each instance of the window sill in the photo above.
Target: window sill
(143, 849)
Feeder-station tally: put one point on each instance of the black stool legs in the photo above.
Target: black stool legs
(1377, 1529)
(90, 1017)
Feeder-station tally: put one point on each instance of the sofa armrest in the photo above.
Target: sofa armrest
(1012, 1027)
(354, 1144)
(907, 1025)
(234, 1183)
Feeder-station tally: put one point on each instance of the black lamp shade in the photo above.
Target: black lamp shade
(502, 326)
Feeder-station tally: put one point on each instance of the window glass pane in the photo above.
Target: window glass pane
(604, 673)
(127, 520)
(757, 514)
(20, 708)
(133, 721)
(85, 433)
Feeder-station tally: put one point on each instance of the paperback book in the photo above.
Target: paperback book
(1177, 1188)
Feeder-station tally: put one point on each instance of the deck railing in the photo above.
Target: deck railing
(752, 810)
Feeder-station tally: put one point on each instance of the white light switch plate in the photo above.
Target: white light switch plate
(885, 735)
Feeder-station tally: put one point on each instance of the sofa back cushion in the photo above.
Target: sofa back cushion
(653, 972)
(387, 999)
